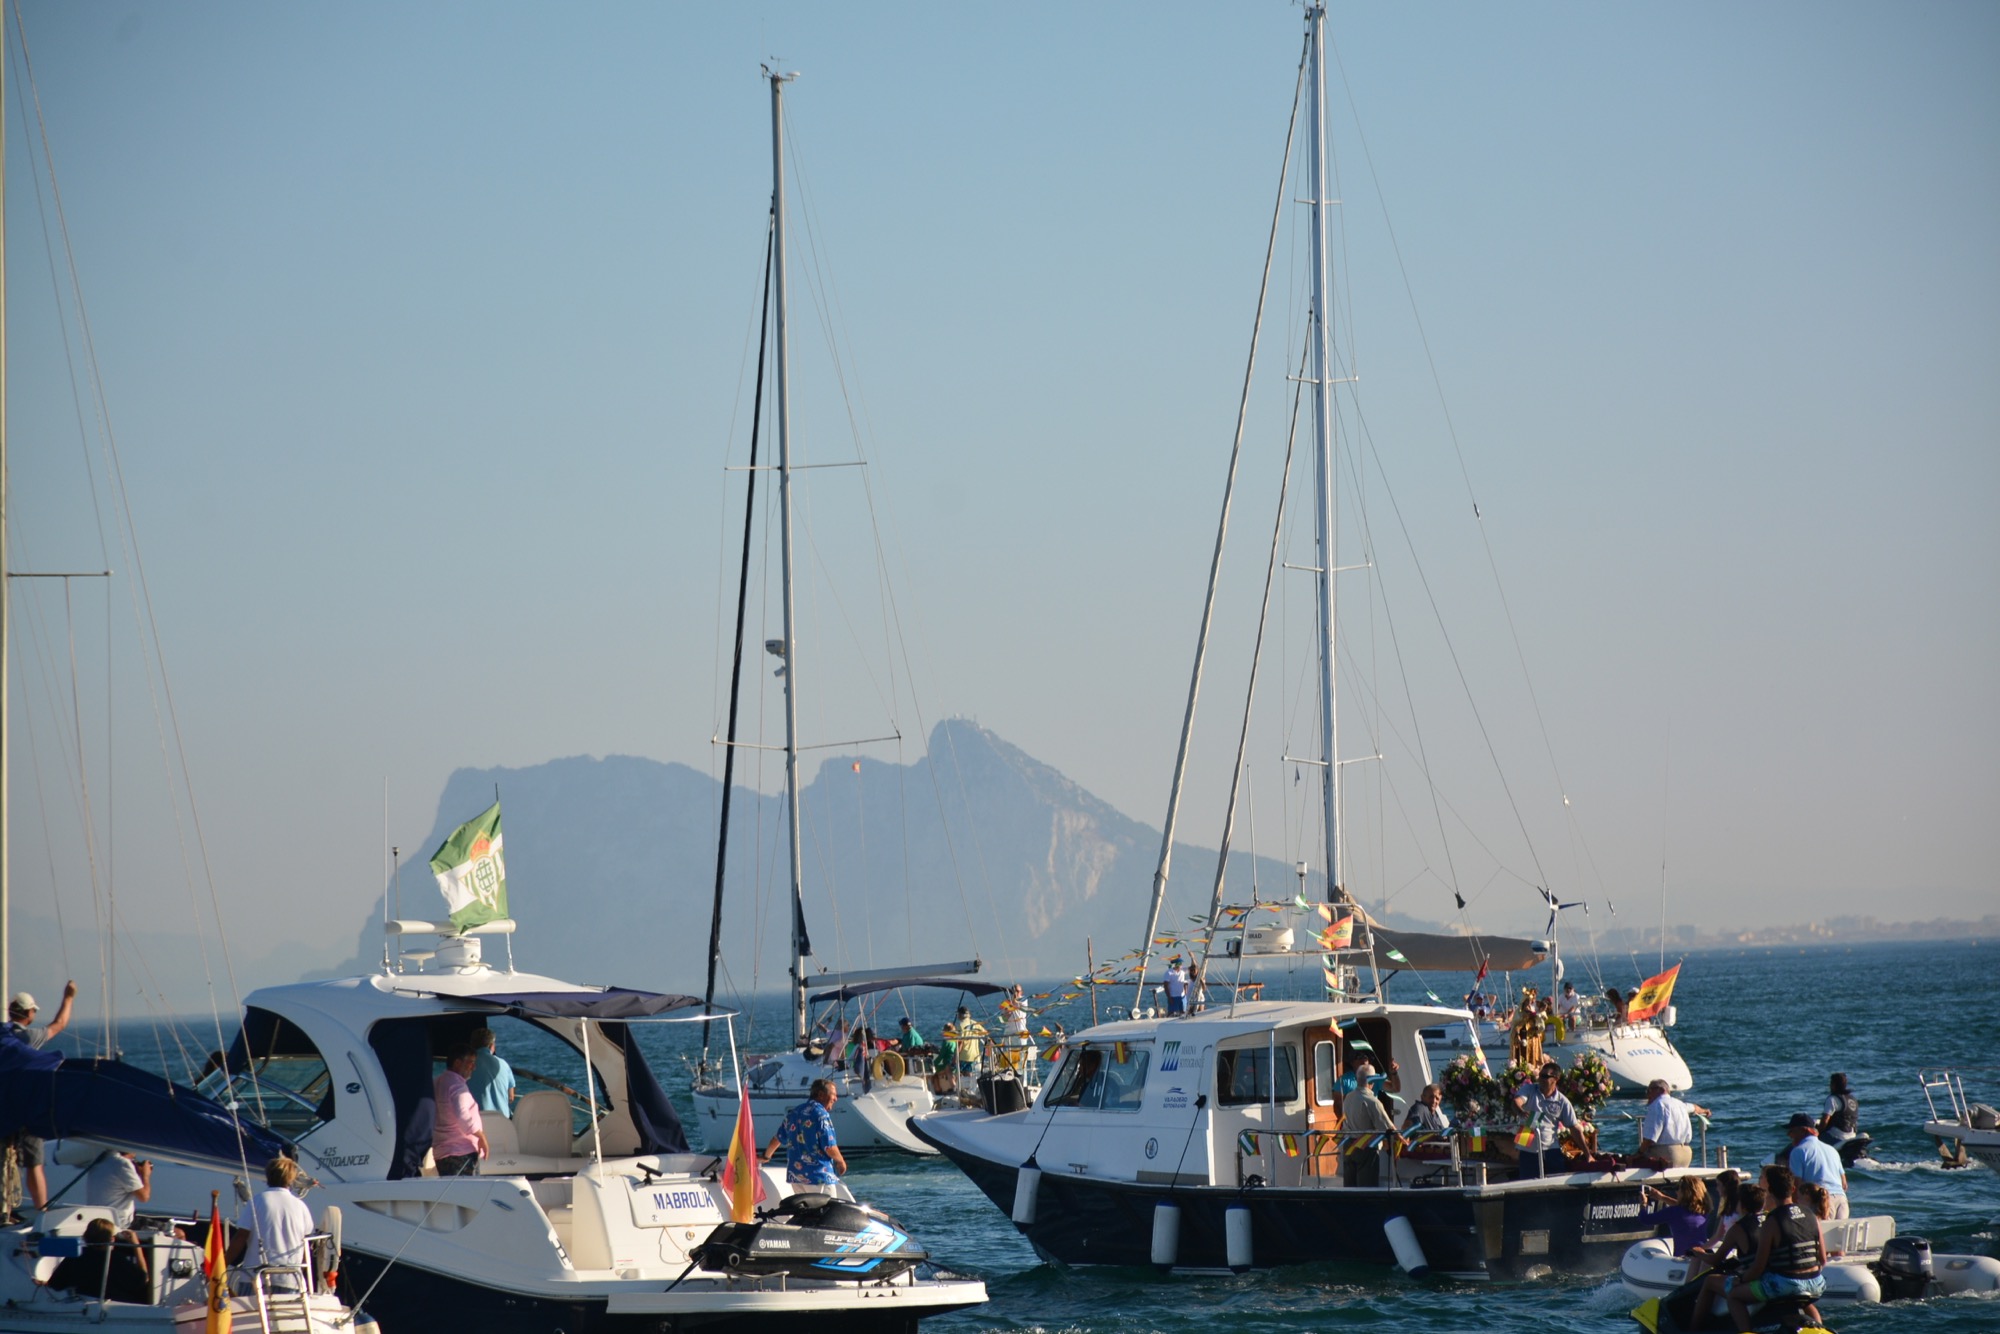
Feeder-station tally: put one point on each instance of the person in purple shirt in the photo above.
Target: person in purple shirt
(459, 1140)
(1686, 1214)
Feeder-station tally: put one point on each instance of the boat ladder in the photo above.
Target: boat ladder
(280, 1291)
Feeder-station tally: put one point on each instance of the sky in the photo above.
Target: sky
(425, 335)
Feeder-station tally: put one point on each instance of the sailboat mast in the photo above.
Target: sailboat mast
(6, 605)
(782, 362)
(1323, 474)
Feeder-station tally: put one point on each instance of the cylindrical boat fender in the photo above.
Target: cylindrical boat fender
(329, 1223)
(1027, 1189)
(1669, 1017)
(1403, 1241)
(1236, 1238)
(1166, 1234)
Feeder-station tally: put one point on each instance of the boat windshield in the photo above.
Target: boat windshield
(1111, 1078)
(273, 1076)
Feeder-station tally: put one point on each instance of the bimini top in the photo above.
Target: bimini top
(587, 1003)
(1219, 1022)
(898, 983)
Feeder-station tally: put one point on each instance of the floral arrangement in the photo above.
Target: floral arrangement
(1587, 1083)
(1470, 1092)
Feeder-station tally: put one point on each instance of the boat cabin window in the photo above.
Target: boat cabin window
(1109, 1078)
(1248, 1075)
(273, 1075)
(1326, 1074)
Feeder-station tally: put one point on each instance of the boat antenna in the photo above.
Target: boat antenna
(736, 665)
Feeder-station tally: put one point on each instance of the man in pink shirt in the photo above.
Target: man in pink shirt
(459, 1140)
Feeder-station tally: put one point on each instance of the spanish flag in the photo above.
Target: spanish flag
(1652, 995)
(1339, 936)
(742, 1181)
(215, 1267)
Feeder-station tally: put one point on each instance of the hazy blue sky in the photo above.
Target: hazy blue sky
(424, 332)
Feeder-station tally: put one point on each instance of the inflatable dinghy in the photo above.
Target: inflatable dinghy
(1876, 1265)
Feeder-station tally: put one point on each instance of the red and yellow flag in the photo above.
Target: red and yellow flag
(1339, 936)
(1652, 995)
(215, 1267)
(742, 1180)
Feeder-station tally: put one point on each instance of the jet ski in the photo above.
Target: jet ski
(811, 1235)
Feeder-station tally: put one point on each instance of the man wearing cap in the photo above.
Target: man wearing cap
(907, 1036)
(1176, 986)
(1361, 1116)
(21, 1011)
(1666, 1131)
(1812, 1159)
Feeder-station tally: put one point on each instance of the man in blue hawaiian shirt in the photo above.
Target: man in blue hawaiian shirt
(812, 1155)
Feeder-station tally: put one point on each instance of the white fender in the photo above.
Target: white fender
(1403, 1241)
(1236, 1238)
(1166, 1234)
(1027, 1186)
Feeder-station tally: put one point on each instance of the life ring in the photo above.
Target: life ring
(889, 1066)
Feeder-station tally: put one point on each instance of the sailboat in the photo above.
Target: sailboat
(1246, 1135)
(880, 1087)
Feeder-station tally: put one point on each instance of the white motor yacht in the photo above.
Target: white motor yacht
(590, 1211)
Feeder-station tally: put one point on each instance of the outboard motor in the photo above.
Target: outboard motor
(810, 1235)
(1904, 1269)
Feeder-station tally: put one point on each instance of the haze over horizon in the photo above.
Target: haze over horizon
(426, 336)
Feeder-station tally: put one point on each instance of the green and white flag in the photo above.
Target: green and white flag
(472, 872)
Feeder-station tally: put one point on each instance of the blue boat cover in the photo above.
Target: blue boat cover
(123, 1105)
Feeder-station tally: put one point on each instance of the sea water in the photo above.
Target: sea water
(1761, 1030)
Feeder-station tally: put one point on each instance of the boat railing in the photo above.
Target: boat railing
(1318, 1157)
(1948, 1083)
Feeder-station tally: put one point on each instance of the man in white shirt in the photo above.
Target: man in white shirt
(272, 1226)
(120, 1185)
(1666, 1131)
(1176, 986)
(1569, 1006)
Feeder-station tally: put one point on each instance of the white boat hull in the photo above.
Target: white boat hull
(870, 1116)
(1978, 1145)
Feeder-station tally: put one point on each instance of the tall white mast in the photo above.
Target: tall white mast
(789, 653)
(1323, 473)
(6, 606)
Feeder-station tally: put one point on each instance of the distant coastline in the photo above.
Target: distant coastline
(1846, 930)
